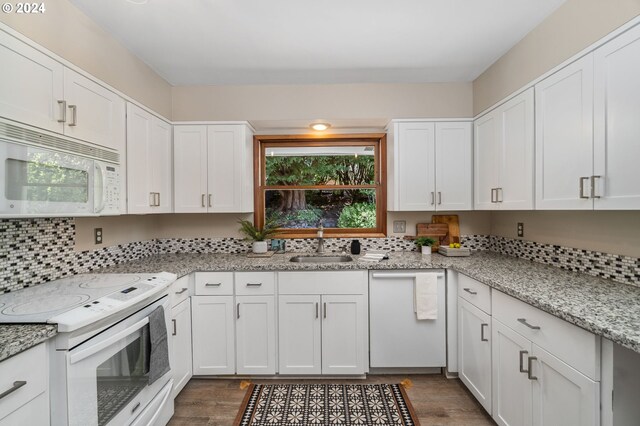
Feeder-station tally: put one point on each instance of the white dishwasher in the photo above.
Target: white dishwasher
(397, 337)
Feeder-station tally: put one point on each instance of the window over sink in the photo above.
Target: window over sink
(334, 181)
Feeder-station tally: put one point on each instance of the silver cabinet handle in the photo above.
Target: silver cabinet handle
(582, 179)
(203, 205)
(529, 369)
(152, 199)
(210, 202)
(74, 115)
(317, 304)
(524, 321)
(468, 290)
(593, 186)
(135, 407)
(182, 291)
(213, 284)
(63, 110)
(325, 309)
(493, 199)
(482, 338)
(499, 197)
(158, 199)
(16, 385)
(433, 198)
(174, 327)
(439, 197)
(254, 284)
(238, 310)
(522, 370)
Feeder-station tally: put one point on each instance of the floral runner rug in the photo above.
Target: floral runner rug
(326, 404)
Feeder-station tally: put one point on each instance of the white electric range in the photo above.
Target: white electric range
(100, 359)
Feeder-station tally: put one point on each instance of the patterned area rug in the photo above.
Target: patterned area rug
(321, 404)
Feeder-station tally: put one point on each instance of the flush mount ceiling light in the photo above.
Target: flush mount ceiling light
(319, 127)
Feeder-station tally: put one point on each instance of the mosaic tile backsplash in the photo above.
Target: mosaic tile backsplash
(33, 251)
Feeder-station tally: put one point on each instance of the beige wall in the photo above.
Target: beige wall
(200, 225)
(69, 33)
(571, 28)
(331, 101)
(615, 232)
(116, 230)
(471, 223)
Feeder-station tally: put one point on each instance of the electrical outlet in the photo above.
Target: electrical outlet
(97, 235)
(399, 226)
(520, 229)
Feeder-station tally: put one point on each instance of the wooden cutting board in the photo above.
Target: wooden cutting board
(437, 231)
(451, 220)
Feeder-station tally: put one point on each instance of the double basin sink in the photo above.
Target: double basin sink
(321, 259)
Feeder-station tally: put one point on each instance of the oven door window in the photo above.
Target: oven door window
(121, 377)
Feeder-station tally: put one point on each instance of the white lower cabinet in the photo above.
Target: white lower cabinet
(255, 335)
(342, 334)
(182, 363)
(300, 349)
(474, 351)
(213, 335)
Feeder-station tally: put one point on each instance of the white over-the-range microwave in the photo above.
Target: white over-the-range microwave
(45, 175)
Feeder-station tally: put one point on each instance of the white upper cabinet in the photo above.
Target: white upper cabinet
(213, 168)
(31, 86)
(429, 166)
(617, 123)
(504, 156)
(149, 154)
(564, 138)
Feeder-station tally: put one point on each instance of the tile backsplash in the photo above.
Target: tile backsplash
(34, 251)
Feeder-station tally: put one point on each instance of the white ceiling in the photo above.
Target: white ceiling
(201, 42)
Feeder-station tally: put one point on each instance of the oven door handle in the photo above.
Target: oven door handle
(79, 356)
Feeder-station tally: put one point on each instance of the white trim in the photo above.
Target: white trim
(613, 34)
(7, 29)
(197, 123)
(427, 120)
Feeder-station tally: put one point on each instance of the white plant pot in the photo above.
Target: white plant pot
(426, 250)
(259, 247)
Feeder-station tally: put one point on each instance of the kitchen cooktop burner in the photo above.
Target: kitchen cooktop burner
(46, 304)
(106, 281)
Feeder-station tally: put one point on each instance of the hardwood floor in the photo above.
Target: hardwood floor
(436, 400)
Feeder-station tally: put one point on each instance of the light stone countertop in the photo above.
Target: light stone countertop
(15, 338)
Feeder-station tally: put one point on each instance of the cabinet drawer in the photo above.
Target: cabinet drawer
(179, 290)
(571, 344)
(30, 367)
(475, 292)
(322, 282)
(214, 284)
(250, 283)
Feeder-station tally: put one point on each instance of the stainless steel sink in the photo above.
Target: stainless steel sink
(321, 259)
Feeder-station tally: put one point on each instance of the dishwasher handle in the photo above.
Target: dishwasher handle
(394, 275)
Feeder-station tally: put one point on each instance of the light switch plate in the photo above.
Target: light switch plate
(97, 235)
(399, 226)
(520, 229)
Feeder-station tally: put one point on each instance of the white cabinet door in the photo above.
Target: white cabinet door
(487, 137)
(213, 335)
(299, 334)
(94, 113)
(190, 169)
(31, 85)
(139, 125)
(255, 335)
(515, 189)
(561, 395)
(181, 363)
(511, 386)
(454, 150)
(617, 123)
(415, 166)
(343, 334)
(161, 160)
(474, 351)
(564, 137)
(226, 169)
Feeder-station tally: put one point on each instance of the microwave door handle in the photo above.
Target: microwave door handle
(98, 193)
(85, 353)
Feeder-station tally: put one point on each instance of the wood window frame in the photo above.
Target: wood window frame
(379, 140)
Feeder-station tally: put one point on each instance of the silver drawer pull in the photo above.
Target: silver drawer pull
(16, 385)
(468, 290)
(174, 327)
(254, 284)
(182, 291)
(522, 370)
(529, 362)
(482, 338)
(133, 410)
(213, 284)
(524, 321)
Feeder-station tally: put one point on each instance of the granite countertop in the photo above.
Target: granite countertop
(600, 306)
(15, 338)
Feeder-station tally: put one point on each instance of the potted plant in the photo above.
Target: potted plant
(257, 235)
(424, 244)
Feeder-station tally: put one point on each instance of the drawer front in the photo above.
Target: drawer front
(255, 283)
(29, 366)
(475, 292)
(180, 290)
(214, 284)
(571, 344)
(322, 282)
